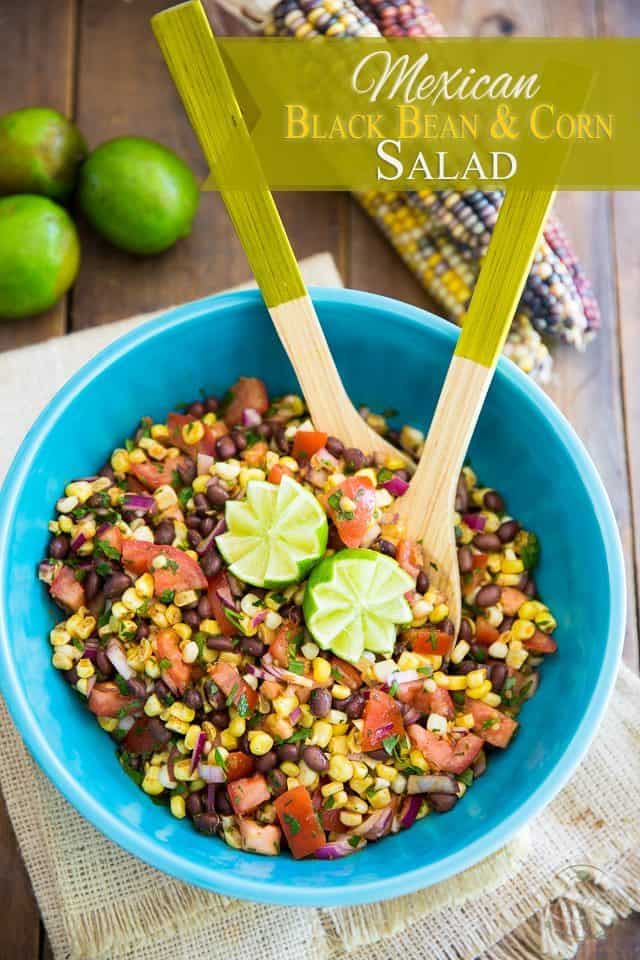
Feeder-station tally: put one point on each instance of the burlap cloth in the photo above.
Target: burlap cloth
(574, 871)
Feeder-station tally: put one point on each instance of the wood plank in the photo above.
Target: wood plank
(21, 924)
(36, 69)
(124, 88)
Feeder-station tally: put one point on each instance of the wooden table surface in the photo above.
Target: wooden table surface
(99, 63)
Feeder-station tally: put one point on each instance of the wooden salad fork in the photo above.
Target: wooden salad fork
(427, 508)
(200, 76)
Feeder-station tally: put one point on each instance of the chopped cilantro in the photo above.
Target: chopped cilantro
(479, 654)
(167, 596)
(252, 437)
(220, 760)
(79, 645)
(105, 548)
(530, 551)
(164, 663)
(235, 618)
(296, 666)
(292, 823)
(105, 616)
(171, 565)
(384, 475)
(354, 842)
(79, 512)
(509, 684)
(426, 671)
(434, 566)
(390, 743)
(393, 689)
(230, 699)
(176, 479)
(185, 495)
(329, 803)
(458, 697)
(121, 683)
(80, 574)
(131, 771)
(201, 639)
(466, 777)
(129, 444)
(243, 705)
(300, 734)
(489, 723)
(433, 639)
(334, 502)
(103, 569)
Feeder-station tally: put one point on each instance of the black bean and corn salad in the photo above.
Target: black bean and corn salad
(245, 619)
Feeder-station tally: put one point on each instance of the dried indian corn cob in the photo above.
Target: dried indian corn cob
(443, 235)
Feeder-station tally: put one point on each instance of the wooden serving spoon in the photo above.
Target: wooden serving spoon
(427, 508)
(198, 71)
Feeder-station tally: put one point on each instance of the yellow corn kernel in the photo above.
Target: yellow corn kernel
(306, 717)
(357, 805)
(546, 621)
(59, 636)
(460, 651)
(228, 740)
(368, 472)
(385, 771)
(530, 609)
(399, 784)
(284, 705)
(160, 431)
(321, 733)
(260, 743)
(380, 799)
(292, 783)
(340, 692)
(339, 799)
(144, 586)
(360, 785)
(333, 481)
(151, 783)
(182, 770)
(330, 789)
(523, 630)
(408, 661)
(340, 768)
(120, 461)
(475, 678)
(321, 670)
(439, 613)
(173, 614)
(512, 566)
(290, 769)
(108, 723)
(498, 650)
(177, 806)
(339, 745)
(210, 418)
(278, 726)
(137, 456)
(441, 679)
(494, 563)
(191, 736)
(132, 599)
(464, 720)
(61, 661)
(193, 432)
(492, 699)
(516, 658)
(184, 631)
(178, 726)
(80, 489)
(479, 693)
(201, 483)
(417, 760)
(237, 726)
(210, 627)
(350, 819)
(339, 728)
(153, 707)
(184, 597)
(85, 668)
(290, 463)
(360, 769)
(181, 711)
(228, 656)
(65, 524)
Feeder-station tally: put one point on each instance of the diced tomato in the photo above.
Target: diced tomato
(410, 557)
(178, 675)
(272, 689)
(408, 691)
(66, 590)
(511, 600)
(154, 474)
(485, 633)
(429, 641)
(105, 700)
(479, 561)
(146, 736)
(133, 485)
(541, 643)
(299, 822)
(248, 393)
(181, 572)
(277, 472)
(444, 753)
(254, 455)
(279, 648)
(232, 685)
(111, 535)
(346, 674)
(207, 445)
(238, 765)
(381, 719)
(308, 442)
(440, 702)
(248, 793)
(490, 724)
(353, 524)
(218, 587)
(330, 820)
(259, 837)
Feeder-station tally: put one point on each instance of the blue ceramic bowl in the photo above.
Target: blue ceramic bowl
(390, 355)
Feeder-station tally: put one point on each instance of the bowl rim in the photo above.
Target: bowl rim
(270, 891)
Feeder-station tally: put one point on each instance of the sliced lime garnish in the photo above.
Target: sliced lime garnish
(275, 535)
(353, 602)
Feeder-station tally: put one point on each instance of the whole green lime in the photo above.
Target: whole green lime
(39, 254)
(40, 152)
(138, 194)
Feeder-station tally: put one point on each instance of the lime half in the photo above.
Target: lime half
(353, 602)
(274, 536)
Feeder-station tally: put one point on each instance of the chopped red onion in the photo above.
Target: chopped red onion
(372, 534)
(317, 478)
(77, 542)
(90, 649)
(173, 753)
(101, 529)
(251, 417)
(322, 458)
(259, 618)
(197, 750)
(47, 572)
(295, 714)
(403, 676)
(237, 588)
(118, 658)
(139, 501)
(91, 682)
(411, 715)
(384, 731)
(278, 673)
(377, 825)
(125, 723)
(203, 463)
(475, 521)
(396, 486)
(431, 783)
(220, 527)
(210, 773)
(410, 811)
(339, 848)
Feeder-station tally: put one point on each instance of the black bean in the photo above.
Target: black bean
(276, 782)
(193, 698)
(315, 759)
(193, 803)
(442, 802)
(466, 632)
(191, 618)
(240, 440)
(465, 559)
(137, 688)
(216, 494)
(193, 522)
(116, 584)
(479, 765)
(478, 652)
(488, 542)
(165, 533)
(378, 754)
(243, 743)
(493, 501)
(266, 762)
(507, 623)
(466, 667)
(497, 673)
(71, 676)
(207, 823)
(462, 496)
(507, 530)
(252, 646)
(91, 584)
(106, 471)
(207, 525)
(386, 547)
(353, 706)
(59, 547)
(354, 459)
(393, 436)
(289, 611)
(197, 410)
(446, 626)
(142, 631)
(320, 702)
(220, 643)
(194, 538)
(225, 448)
(211, 403)
(187, 471)
(264, 430)
(210, 563)
(204, 607)
(289, 752)
(162, 691)
(422, 582)
(488, 596)
(531, 589)
(104, 665)
(280, 438)
(96, 500)
(200, 502)
(214, 695)
(220, 719)
(223, 804)
(335, 446)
